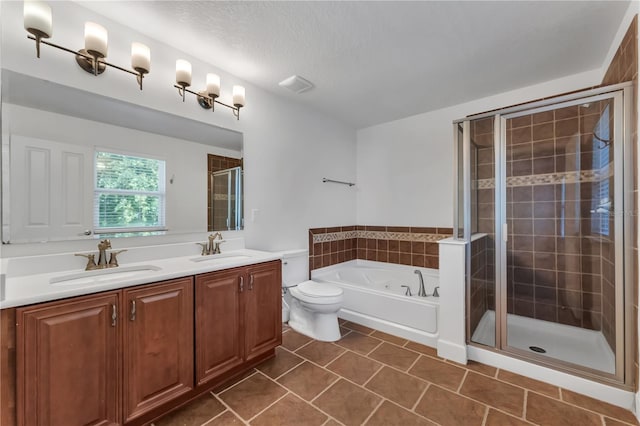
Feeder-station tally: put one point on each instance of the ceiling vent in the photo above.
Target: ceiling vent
(296, 84)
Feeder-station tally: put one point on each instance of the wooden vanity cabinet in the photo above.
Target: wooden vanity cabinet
(158, 349)
(238, 317)
(127, 356)
(68, 363)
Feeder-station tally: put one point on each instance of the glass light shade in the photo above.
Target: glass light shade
(37, 18)
(183, 73)
(95, 39)
(140, 57)
(238, 96)
(213, 85)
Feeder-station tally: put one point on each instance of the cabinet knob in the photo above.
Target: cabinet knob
(241, 284)
(251, 282)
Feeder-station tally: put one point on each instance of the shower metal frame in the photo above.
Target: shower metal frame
(621, 94)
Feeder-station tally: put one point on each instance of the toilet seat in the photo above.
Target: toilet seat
(317, 293)
(315, 289)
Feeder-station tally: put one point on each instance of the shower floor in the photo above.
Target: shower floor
(576, 345)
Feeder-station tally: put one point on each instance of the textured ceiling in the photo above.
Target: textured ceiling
(373, 62)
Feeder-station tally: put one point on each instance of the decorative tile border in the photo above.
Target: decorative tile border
(334, 236)
(378, 235)
(550, 178)
(404, 245)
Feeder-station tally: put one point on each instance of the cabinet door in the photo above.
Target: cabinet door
(263, 309)
(68, 369)
(158, 355)
(218, 323)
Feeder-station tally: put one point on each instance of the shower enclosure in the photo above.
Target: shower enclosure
(542, 191)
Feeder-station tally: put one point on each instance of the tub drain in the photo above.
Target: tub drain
(537, 349)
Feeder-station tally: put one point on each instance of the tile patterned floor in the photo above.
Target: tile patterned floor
(372, 378)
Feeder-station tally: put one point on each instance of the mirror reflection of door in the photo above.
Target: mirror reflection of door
(225, 206)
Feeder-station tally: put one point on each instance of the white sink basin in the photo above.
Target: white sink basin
(100, 276)
(221, 258)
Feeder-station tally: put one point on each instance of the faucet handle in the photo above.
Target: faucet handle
(91, 261)
(204, 248)
(407, 291)
(216, 246)
(113, 260)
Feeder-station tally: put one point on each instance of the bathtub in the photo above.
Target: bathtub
(373, 296)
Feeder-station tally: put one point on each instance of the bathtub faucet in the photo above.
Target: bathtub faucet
(421, 291)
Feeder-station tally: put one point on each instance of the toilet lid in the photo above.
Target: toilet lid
(314, 289)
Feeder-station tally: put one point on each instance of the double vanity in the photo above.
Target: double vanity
(127, 344)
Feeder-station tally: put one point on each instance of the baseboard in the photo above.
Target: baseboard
(452, 351)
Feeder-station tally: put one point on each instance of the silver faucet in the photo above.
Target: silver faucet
(213, 247)
(421, 290)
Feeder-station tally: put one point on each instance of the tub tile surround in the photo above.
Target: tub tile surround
(357, 387)
(403, 245)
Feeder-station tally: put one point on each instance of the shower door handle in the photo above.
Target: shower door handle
(505, 235)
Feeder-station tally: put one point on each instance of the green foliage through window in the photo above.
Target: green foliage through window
(129, 192)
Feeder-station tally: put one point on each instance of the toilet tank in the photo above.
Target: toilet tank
(295, 267)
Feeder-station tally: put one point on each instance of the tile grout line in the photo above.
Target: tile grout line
(228, 409)
(269, 406)
(413, 364)
(304, 400)
(462, 382)
(238, 382)
(375, 373)
(571, 404)
(415, 404)
(485, 416)
(364, 422)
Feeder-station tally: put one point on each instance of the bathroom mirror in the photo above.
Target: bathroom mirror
(77, 165)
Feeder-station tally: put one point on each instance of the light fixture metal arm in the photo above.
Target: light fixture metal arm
(97, 63)
(182, 90)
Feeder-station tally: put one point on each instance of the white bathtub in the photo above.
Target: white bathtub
(373, 296)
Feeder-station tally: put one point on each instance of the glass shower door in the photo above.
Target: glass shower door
(562, 185)
(226, 199)
(544, 204)
(476, 139)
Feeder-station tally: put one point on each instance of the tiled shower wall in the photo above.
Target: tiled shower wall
(624, 67)
(553, 254)
(480, 281)
(483, 204)
(415, 246)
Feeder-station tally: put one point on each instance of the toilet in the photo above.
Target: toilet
(314, 306)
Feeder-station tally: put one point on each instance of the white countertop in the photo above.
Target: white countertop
(24, 288)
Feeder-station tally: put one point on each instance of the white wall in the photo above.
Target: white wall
(405, 167)
(287, 148)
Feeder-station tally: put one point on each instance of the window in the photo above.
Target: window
(129, 194)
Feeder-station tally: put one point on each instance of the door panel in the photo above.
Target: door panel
(219, 346)
(158, 330)
(263, 309)
(69, 371)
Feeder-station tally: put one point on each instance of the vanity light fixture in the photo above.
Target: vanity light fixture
(38, 22)
(208, 97)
